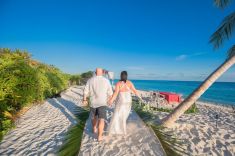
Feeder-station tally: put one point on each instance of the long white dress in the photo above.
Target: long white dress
(121, 112)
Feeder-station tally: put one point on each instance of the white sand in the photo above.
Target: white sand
(41, 130)
(200, 133)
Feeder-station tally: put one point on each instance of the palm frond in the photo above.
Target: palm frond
(171, 145)
(222, 3)
(73, 139)
(224, 31)
(231, 52)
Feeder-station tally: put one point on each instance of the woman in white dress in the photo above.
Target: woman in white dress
(123, 102)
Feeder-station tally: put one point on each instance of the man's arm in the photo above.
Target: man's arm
(86, 93)
(114, 96)
(110, 89)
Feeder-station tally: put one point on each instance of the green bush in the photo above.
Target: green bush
(75, 79)
(80, 79)
(85, 76)
(24, 81)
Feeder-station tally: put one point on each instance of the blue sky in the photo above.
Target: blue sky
(151, 39)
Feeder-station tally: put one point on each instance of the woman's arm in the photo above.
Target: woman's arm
(115, 94)
(132, 87)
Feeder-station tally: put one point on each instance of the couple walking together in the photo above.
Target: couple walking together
(99, 91)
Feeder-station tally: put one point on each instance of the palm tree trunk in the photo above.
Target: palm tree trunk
(193, 97)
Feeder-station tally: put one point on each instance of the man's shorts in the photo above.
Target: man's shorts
(99, 111)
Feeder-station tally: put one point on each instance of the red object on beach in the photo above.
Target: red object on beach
(171, 97)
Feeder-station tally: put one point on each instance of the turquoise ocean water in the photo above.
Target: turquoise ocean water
(219, 92)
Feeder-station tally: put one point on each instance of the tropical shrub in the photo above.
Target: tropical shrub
(75, 79)
(80, 79)
(85, 76)
(24, 81)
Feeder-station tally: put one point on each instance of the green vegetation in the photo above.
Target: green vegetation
(73, 138)
(192, 110)
(85, 76)
(163, 109)
(80, 79)
(171, 145)
(75, 80)
(24, 81)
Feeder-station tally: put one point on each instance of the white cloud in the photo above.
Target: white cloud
(198, 54)
(181, 57)
(184, 56)
(135, 68)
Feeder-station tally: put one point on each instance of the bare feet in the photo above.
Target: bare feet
(95, 130)
(100, 138)
(124, 136)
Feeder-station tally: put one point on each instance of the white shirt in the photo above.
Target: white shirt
(99, 89)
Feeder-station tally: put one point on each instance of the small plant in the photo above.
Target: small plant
(73, 140)
(163, 109)
(192, 109)
(172, 145)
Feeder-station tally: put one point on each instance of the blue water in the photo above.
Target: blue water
(219, 92)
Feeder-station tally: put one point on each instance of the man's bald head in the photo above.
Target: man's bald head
(99, 71)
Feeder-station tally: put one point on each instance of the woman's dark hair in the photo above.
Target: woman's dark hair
(123, 76)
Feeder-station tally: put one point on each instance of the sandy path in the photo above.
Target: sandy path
(41, 130)
(139, 141)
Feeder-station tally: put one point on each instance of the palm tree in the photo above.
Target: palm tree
(217, 39)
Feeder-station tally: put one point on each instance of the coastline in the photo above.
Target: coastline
(222, 93)
(226, 107)
(229, 107)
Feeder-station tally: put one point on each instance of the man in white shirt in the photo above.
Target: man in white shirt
(99, 90)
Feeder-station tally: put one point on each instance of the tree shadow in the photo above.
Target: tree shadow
(76, 93)
(66, 107)
(69, 109)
